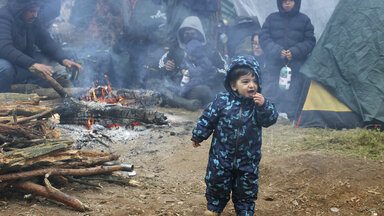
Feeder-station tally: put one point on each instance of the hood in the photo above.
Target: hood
(294, 11)
(18, 7)
(191, 22)
(249, 61)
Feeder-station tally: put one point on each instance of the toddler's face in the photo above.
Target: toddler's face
(246, 85)
(288, 5)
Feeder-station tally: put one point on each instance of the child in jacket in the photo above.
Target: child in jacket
(235, 118)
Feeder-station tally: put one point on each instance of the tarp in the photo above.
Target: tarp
(348, 60)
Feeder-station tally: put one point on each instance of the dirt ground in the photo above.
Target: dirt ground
(171, 177)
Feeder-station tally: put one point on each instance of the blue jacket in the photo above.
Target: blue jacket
(287, 30)
(236, 123)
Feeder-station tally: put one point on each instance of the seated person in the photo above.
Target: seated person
(20, 34)
(190, 29)
(198, 74)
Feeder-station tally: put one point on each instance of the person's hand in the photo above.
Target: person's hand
(288, 54)
(45, 69)
(170, 65)
(195, 144)
(283, 54)
(259, 99)
(69, 64)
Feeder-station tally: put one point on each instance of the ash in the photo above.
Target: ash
(132, 143)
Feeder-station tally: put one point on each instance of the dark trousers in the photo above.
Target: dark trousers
(13, 74)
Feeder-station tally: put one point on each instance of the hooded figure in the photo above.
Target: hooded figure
(286, 30)
(171, 63)
(236, 122)
(20, 34)
(191, 28)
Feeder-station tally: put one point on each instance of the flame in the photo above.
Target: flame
(102, 94)
(91, 121)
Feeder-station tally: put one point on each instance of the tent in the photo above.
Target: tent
(348, 61)
(321, 109)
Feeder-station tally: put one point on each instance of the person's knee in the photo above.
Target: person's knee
(6, 68)
(7, 73)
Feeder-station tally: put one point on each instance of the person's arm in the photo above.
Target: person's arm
(271, 49)
(48, 46)
(207, 122)
(266, 113)
(7, 50)
(302, 49)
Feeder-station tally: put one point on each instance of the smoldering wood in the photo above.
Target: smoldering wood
(51, 193)
(74, 111)
(99, 170)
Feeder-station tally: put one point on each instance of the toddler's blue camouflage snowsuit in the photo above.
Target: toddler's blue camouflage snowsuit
(235, 154)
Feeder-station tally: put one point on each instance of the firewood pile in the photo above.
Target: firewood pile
(32, 155)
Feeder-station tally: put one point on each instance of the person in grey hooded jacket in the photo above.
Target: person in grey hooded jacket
(20, 36)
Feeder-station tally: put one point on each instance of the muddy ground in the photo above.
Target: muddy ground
(171, 173)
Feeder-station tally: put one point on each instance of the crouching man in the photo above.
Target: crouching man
(26, 46)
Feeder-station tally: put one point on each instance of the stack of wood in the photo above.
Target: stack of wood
(31, 151)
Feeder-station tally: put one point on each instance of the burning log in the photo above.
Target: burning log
(80, 112)
(51, 193)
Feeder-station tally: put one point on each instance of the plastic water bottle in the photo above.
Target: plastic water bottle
(186, 78)
(285, 77)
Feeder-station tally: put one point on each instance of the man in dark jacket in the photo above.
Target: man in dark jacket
(287, 39)
(20, 36)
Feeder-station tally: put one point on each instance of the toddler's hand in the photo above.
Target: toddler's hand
(259, 99)
(195, 144)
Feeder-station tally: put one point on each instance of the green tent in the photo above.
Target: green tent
(348, 60)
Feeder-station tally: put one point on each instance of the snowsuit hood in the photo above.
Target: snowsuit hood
(295, 10)
(191, 22)
(248, 61)
(18, 7)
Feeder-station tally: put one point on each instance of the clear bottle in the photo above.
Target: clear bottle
(285, 77)
(186, 78)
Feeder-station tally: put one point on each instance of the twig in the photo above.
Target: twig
(70, 178)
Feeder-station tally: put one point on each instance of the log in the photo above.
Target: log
(51, 193)
(10, 98)
(74, 111)
(15, 159)
(24, 110)
(22, 120)
(19, 131)
(57, 171)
